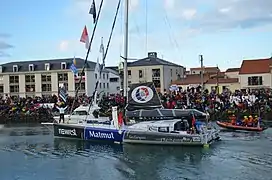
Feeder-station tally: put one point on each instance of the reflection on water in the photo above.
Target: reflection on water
(32, 153)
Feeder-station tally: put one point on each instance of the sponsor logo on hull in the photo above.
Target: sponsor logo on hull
(67, 131)
(103, 134)
(140, 136)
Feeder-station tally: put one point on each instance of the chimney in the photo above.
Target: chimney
(152, 54)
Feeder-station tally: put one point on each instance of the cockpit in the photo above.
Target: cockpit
(182, 125)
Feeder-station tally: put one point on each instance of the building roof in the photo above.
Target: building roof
(191, 79)
(152, 60)
(205, 69)
(115, 68)
(232, 70)
(256, 66)
(39, 65)
(113, 71)
(222, 80)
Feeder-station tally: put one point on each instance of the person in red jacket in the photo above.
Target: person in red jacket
(120, 119)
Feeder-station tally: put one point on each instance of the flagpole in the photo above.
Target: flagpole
(125, 83)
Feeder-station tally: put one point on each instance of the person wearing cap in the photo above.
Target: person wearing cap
(245, 121)
(233, 119)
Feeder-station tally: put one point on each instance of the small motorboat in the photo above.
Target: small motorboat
(230, 126)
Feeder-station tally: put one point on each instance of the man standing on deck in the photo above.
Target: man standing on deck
(62, 111)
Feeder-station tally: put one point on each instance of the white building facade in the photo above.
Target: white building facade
(38, 78)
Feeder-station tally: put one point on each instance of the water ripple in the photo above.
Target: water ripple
(33, 154)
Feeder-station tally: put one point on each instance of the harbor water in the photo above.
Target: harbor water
(31, 153)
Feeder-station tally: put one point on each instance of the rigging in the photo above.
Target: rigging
(87, 55)
(104, 57)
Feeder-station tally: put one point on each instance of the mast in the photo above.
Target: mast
(125, 83)
(202, 73)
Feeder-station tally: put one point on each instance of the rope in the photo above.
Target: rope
(104, 56)
(87, 55)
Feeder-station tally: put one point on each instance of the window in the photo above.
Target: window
(100, 85)
(30, 78)
(81, 74)
(1, 88)
(63, 65)
(157, 83)
(107, 76)
(108, 85)
(31, 67)
(114, 79)
(171, 72)
(104, 85)
(15, 68)
(30, 88)
(46, 87)
(129, 73)
(103, 76)
(80, 86)
(46, 78)
(156, 73)
(63, 77)
(140, 73)
(95, 76)
(13, 79)
(176, 72)
(14, 88)
(255, 81)
(47, 66)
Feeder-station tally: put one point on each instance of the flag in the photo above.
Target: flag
(73, 67)
(93, 11)
(85, 37)
(102, 50)
(63, 93)
(97, 67)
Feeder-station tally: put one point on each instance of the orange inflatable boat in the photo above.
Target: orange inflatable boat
(229, 126)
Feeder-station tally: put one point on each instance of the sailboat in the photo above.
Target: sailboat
(156, 126)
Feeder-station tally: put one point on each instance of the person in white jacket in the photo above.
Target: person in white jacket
(62, 112)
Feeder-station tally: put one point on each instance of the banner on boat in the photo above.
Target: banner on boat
(143, 95)
(151, 137)
(103, 134)
(67, 131)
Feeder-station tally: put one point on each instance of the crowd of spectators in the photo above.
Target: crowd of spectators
(37, 109)
(219, 106)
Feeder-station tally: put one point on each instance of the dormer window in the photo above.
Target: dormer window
(1, 69)
(63, 65)
(15, 68)
(47, 66)
(31, 67)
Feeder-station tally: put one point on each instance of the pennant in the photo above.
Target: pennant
(102, 50)
(85, 37)
(93, 11)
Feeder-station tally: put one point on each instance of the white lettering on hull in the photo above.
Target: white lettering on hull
(71, 132)
(101, 135)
